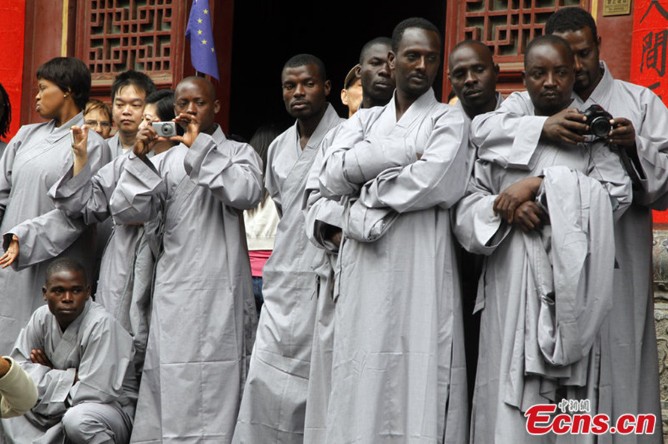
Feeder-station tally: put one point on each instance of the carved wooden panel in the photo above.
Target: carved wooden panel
(505, 26)
(145, 35)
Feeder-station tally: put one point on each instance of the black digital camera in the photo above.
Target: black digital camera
(598, 120)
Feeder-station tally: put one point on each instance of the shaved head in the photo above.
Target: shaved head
(196, 96)
(202, 82)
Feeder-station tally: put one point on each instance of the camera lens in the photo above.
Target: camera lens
(600, 127)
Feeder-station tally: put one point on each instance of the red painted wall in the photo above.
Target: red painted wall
(12, 28)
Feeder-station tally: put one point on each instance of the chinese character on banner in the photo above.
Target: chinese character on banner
(648, 54)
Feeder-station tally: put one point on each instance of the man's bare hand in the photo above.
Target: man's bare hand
(335, 237)
(515, 195)
(191, 125)
(568, 125)
(530, 216)
(623, 133)
(11, 254)
(37, 356)
(79, 147)
(146, 138)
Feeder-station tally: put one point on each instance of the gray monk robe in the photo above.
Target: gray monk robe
(512, 374)
(34, 160)
(399, 372)
(126, 269)
(105, 227)
(322, 215)
(294, 281)
(91, 375)
(194, 366)
(629, 378)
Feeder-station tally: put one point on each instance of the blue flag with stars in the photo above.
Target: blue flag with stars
(202, 51)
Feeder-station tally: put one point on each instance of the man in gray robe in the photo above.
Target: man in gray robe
(492, 220)
(128, 96)
(629, 369)
(324, 221)
(399, 371)
(323, 228)
(80, 359)
(194, 366)
(295, 277)
(473, 75)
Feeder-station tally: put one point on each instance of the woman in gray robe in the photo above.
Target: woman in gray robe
(34, 159)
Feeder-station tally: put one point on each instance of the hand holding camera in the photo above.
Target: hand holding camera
(167, 129)
(617, 131)
(567, 126)
(191, 125)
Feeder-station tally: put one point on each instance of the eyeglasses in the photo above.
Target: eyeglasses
(94, 123)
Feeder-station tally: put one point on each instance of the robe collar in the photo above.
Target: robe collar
(499, 100)
(57, 133)
(603, 91)
(329, 119)
(218, 135)
(416, 110)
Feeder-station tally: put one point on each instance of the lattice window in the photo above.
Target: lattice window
(508, 26)
(131, 34)
(505, 26)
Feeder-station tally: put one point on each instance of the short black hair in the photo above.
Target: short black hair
(307, 59)
(548, 39)
(378, 40)
(5, 112)
(71, 75)
(66, 263)
(413, 22)
(472, 42)
(135, 78)
(163, 99)
(572, 18)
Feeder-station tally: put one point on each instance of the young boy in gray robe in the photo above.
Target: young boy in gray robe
(80, 358)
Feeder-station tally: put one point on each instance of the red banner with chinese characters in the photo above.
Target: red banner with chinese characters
(648, 54)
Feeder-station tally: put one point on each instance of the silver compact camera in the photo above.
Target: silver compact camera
(165, 129)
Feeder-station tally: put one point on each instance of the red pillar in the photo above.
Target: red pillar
(12, 28)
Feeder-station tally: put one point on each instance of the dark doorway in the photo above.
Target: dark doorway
(268, 32)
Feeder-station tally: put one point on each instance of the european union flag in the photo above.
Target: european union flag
(202, 52)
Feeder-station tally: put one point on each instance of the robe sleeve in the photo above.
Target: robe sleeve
(53, 385)
(17, 391)
(46, 236)
(338, 177)
(85, 195)
(652, 149)
(322, 215)
(437, 178)
(476, 226)
(6, 165)
(232, 171)
(509, 135)
(139, 193)
(606, 167)
(106, 356)
(271, 182)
